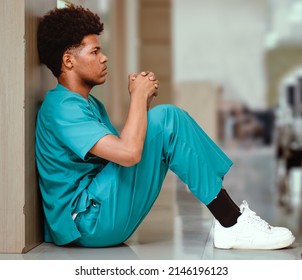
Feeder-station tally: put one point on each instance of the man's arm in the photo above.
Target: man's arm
(127, 149)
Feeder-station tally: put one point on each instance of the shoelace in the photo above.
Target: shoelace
(254, 219)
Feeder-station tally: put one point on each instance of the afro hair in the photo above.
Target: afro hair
(61, 29)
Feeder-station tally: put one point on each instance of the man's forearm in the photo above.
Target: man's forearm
(134, 132)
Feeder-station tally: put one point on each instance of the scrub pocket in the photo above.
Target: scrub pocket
(86, 221)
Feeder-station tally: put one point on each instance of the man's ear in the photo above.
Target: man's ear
(67, 60)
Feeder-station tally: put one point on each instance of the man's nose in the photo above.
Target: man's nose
(104, 59)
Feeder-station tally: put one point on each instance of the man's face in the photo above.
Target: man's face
(89, 63)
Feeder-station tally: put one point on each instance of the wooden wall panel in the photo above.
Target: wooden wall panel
(157, 57)
(21, 78)
(38, 80)
(157, 25)
(117, 78)
(155, 50)
(12, 161)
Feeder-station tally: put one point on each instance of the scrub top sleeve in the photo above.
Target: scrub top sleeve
(77, 128)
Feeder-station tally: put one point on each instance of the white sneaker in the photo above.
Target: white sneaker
(251, 232)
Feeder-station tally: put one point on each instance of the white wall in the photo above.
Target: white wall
(222, 42)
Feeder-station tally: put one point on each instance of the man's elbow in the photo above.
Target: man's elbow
(133, 158)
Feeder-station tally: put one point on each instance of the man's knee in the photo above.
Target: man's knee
(164, 108)
(161, 112)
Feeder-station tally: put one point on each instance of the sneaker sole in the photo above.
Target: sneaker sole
(280, 245)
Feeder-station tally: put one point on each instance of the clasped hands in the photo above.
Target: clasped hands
(147, 74)
(144, 83)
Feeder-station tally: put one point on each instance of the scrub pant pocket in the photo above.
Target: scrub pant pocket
(87, 221)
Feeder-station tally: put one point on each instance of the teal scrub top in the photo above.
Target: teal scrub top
(68, 126)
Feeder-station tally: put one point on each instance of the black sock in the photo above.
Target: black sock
(224, 209)
(235, 205)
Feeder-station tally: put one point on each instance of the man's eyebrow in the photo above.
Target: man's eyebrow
(96, 48)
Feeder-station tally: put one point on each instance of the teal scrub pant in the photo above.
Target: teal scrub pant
(122, 196)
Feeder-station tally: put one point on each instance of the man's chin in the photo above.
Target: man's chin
(102, 81)
(98, 83)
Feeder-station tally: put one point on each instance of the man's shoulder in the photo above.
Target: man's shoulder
(96, 101)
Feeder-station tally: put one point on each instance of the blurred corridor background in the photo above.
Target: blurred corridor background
(236, 67)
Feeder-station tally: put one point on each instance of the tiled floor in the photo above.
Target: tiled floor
(179, 227)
